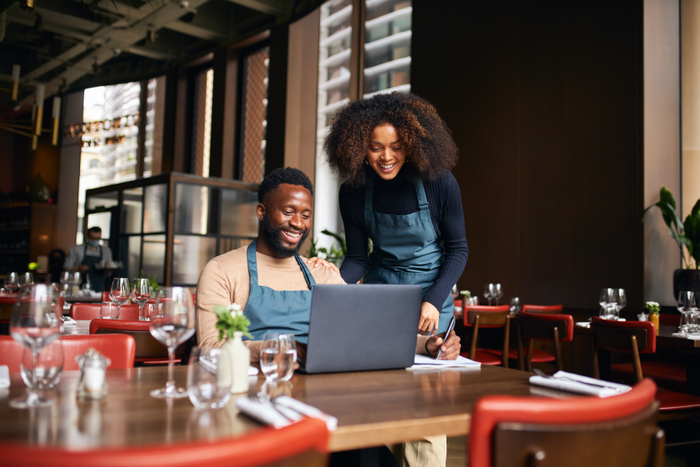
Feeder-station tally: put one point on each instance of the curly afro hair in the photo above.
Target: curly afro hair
(427, 140)
(279, 176)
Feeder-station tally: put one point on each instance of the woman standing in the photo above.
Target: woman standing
(394, 154)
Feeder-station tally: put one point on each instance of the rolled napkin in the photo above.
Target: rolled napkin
(308, 410)
(571, 382)
(692, 336)
(4, 377)
(584, 324)
(262, 411)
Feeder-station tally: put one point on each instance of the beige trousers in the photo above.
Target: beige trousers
(431, 451)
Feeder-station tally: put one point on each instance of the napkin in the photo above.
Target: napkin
(572, 382)
(584, 324)
(265, 412)
(692, 336)
(421, 362)
(4, 377)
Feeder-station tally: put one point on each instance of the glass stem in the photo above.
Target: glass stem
(32, 390)
(141, 312)
(171, 363)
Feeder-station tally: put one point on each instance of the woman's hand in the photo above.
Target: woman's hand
(429, 317)
(316, 262)
(450, 347)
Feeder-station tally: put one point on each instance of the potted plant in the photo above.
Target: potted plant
(687, 236)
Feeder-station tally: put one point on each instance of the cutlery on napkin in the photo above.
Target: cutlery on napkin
(578, 384)
(269, 414)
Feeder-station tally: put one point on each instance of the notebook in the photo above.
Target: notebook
(362, 327)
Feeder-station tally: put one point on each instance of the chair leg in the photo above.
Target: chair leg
(657, 449)
(594, 351)
(637, 363)
(521, 353)
(557, 349)
(475, 334)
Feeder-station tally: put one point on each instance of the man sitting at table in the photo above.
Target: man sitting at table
(270, 270)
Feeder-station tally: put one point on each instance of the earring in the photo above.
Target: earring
(367, 163)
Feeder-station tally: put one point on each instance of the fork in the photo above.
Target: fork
(286, 412)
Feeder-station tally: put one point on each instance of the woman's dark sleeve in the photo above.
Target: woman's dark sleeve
(451, 223)
(352, 210)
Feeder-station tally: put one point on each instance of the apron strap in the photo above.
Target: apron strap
(307, 274)
(369, 189)
(422, 198)
(252, 265)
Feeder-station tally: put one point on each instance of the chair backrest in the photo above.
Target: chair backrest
(120, 349)
(147, 346)
(300, 444)
(86, 311)
(476, 316)
(576, 431)
(542, 308)
(543, 326)
(623, 336)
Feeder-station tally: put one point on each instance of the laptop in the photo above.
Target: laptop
(362, 327)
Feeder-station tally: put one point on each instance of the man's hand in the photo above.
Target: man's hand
(316, 262)
(450, 348)
(429, 317)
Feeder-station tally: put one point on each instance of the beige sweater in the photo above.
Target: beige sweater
(225, 280)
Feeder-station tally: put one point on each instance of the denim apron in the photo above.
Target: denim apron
(97, 279)
(272, 310)
(406, 248)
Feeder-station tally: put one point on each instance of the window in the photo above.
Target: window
(254, 115)
(201, 124)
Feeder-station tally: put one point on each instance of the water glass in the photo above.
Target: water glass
(686, 305)
(515, 306)
(209, 378)
(109, 310)
(49, 366)
(278, 356)
(643, 316)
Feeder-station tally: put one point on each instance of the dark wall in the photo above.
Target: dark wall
(545, 103)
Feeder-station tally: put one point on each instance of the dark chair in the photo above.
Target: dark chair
(87, 311)
(542, 327)
(637, 337)
(300, 444)
(476, 316)
(578, 431)
(120, 349)
(148, 350)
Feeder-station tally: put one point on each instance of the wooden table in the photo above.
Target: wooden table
(373, 408)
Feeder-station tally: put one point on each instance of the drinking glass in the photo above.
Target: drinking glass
(515, 306)
(209, 378)
(606, 299)
(26, 279)
(620, 302)
(87, 287)
(119, 293)
(497, 292)
(35, 324)
(12, 282)
(109, 310)
(49, 366)
(686, 303)
(171, 325)
(278, 356)
(488, 292)
(141, 293)
(75, 279)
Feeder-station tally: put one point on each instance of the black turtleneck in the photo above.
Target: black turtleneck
(398, 196)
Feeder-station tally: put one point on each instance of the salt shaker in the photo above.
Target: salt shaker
(92, 374)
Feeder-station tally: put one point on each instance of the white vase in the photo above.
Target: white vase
(239, 357)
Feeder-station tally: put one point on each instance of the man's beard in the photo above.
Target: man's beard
(273, 238)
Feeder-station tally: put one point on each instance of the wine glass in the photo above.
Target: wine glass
(620, 302)
(26, 279)
(686, 303)
(141, 293)
(488, 292)
(606, 298)
(35, 324)
(12, 282)
(278, 356)
(171, 325)
(515, 306)
(49, 366)
(119, 293)
(497, 292)
(65, 282)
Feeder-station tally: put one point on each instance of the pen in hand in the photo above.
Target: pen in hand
(450, 327)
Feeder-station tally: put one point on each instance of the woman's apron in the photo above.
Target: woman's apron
(406, 248)
(272, 310)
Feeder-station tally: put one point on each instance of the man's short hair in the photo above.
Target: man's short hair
(95, 230)
(279, 176)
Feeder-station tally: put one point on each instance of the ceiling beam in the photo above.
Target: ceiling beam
(269, 7)
(149, 53)
(50, 27)
(196, 31)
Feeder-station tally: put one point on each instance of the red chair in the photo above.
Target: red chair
(87, 311)
(300, 444)
(476, 316)
(120, 349)
(577, 431)
(637, 337)
(543, 308)
(148, 350)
